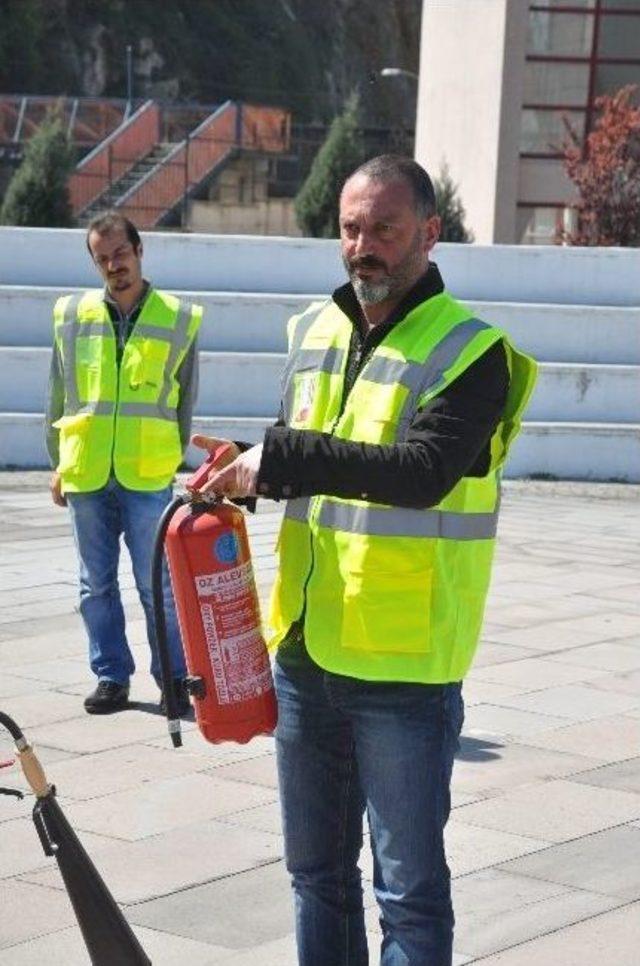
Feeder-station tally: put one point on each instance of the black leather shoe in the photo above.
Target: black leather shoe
(182, 698)
(109, 696)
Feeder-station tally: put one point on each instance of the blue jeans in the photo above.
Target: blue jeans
(98, 520)
(343, 746)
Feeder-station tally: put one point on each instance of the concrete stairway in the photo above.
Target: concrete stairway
(583, 421)
(116, 192)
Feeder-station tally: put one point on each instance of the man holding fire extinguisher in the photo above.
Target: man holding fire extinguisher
(122, 387)
(399, 408)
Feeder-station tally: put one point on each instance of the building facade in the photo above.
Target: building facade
(498, 79)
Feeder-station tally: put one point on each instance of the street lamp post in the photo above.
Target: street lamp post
(129, 80)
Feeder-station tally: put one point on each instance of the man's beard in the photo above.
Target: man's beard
(390, 284)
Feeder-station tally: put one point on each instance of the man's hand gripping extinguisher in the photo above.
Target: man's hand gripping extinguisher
(216, 599)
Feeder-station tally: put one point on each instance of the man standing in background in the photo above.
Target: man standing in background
(122, 388)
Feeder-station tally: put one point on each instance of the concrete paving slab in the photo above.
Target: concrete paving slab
(485, 775)
(522, 614)
(574, 701)
(41, 707)
(492, 653)
(613, 739)
(624, 775)
(576, 632)
(491, 719)
(22, 852)
(470, 848)
(607, 862)
(216, 912)
(532, 674)
(30, 910)
(477, 691)
(625, 682)
(61, 671)
(114, 770)
(555, 811)
(165, 804)
(262, 818)
(161, 864)
(612, 936)
(12, 686)
(91, 733)
(66, 948)
(260, 770)
(623, 655)
(497, 910)
(219, 754)
(30, 641)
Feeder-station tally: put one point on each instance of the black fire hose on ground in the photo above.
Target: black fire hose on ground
(107, 934)
(159, 618)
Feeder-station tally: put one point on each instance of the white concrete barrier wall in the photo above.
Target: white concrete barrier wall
(256, 322)
(241, 384)
(559, 451)
(574, 276)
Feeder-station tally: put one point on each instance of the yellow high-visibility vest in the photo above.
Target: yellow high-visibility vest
(121, 419)
(384, 592)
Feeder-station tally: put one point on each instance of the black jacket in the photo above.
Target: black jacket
(448, 438)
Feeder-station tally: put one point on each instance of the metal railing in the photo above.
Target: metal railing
(168, 181)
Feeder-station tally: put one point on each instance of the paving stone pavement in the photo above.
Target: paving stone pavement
(544, 838)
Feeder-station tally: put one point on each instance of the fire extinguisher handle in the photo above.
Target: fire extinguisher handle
(201, 475)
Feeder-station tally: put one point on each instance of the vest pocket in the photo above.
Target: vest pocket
(387, 611)
(74, 434)
(160, 449)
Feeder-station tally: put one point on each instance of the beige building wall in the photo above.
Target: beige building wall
(472, 59)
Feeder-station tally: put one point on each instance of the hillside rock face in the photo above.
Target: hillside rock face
(307, 55)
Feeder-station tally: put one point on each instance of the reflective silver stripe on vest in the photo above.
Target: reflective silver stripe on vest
(298, 509)
(70, 326)
(95, 408)
(403, 522)
(421, 377)
(148, 411)
(320, 360)
(177, 339)
(442, 358)
(302, 327)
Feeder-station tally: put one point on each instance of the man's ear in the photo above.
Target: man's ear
(431, 232)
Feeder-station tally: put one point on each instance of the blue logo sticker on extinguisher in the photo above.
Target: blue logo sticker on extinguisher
(225, 548)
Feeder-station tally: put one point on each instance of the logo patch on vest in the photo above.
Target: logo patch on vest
(305, 394)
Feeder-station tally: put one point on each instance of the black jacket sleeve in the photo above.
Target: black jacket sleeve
(447, 439)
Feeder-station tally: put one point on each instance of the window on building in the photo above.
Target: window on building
(538, 224)
(576, 51)
(544, 131)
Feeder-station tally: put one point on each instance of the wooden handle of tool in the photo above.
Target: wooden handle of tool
(33, 772)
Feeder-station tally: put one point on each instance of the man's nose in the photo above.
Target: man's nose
(364, 243)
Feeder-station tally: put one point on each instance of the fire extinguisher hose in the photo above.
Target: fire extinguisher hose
(173, 719)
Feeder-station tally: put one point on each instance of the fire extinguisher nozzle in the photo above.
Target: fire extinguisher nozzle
(175, 732)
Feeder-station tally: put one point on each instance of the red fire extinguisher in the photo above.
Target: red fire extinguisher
(219, 616)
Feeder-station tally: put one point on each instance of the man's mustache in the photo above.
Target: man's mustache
(367, 261)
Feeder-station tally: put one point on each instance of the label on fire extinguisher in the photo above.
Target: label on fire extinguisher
(231, 623)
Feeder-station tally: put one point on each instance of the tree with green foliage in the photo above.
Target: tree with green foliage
(37, 193)
(316, 203)
(450, 208)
